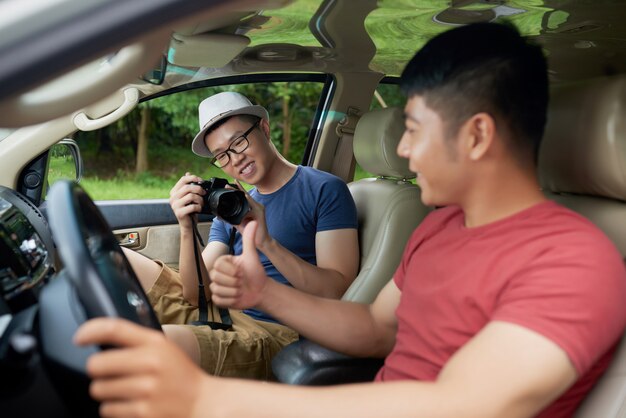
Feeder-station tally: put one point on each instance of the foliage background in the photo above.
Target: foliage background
(110, 154)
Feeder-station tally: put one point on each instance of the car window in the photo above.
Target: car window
(143, 155)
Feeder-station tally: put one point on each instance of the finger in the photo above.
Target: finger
(193, 177)
(114, 331)
(187, 210)
(224, 279)
(241, 187)
(123, 362)
(224, 264)
(222, 291)
(181, 181)
(249, 233)
(128, 387)
(186, 179)
(224, 302)
(187, 199)
(119, 409)
(185, 187)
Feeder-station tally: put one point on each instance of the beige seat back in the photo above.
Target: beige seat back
(582, 165)
(388, 204)
(389, 209)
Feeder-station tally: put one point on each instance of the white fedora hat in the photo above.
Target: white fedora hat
(218, 107)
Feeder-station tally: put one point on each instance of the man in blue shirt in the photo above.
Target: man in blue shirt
(307, 239)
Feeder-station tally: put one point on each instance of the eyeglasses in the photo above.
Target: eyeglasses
(239, 145)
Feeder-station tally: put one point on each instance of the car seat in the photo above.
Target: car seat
(388, 209)
(582, 165)
(388, 205)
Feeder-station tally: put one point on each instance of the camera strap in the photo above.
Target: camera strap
(205, 306)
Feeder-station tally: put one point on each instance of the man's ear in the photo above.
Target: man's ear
(479, 135)
(265, 128)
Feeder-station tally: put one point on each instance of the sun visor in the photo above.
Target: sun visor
(213, 50)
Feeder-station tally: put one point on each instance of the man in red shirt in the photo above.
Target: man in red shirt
(504, 305)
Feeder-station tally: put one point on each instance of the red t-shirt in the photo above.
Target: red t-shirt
(545, 268)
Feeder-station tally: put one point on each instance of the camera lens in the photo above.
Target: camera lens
(230, 205)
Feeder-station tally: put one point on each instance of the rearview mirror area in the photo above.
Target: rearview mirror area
(65, 161)
(62, 161)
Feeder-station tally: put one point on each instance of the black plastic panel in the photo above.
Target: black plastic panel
(306, 363)
(121, 214)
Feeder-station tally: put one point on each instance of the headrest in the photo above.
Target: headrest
(584, 146)
(376, 138)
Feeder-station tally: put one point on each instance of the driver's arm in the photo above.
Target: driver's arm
(348, 327)
(504, 371)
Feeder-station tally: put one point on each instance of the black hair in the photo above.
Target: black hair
(484, 67)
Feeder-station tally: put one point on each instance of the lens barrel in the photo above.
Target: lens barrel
(230, 205)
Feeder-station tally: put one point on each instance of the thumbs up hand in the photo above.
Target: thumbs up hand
(239, 281)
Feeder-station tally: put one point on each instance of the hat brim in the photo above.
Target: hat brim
(198, 146)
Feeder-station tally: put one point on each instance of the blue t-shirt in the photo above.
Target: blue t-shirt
(310, 202)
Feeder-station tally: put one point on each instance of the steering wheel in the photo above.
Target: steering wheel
(104, 280)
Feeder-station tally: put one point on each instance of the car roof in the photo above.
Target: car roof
(213, 39)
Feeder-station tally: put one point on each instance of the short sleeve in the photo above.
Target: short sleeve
(219, 231)
(336, 208)
(573, 295)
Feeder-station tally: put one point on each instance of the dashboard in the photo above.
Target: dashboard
(30, 320)
(42, 372)
(27, 254)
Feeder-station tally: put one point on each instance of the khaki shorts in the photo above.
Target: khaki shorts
(245, 351)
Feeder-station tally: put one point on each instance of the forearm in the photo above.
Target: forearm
(392, 399)
(475, 382)
(187, 267)
(305, 276)
(343, 326)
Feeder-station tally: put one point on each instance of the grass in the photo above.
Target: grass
(148, 185)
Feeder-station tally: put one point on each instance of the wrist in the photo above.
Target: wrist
(267, 293)
(208, 397)
(267, 246)
(186, 234)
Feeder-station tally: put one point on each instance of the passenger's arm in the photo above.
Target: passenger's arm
(187, 265)
(240, 282)
(337, 253)
(186, 202)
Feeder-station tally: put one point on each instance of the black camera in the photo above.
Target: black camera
(230, 205)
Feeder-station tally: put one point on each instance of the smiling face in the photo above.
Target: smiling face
(253, 164)
(432, 156)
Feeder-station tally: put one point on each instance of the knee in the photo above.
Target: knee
(147, 270)
(185, 339)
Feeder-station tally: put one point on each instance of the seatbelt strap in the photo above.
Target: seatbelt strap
(205, 306)
(224, 314)
(345, 132)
